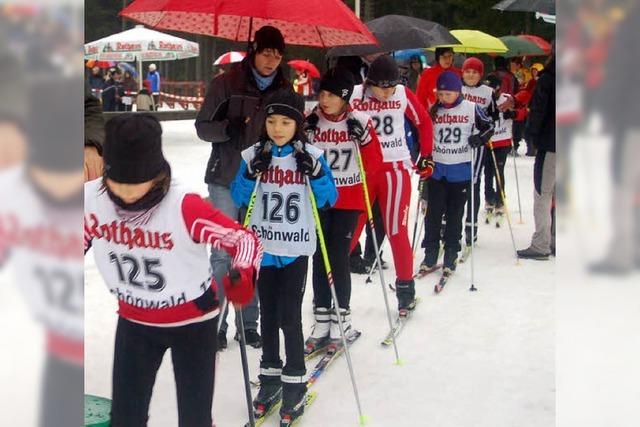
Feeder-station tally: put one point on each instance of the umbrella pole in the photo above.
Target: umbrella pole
(139, 74)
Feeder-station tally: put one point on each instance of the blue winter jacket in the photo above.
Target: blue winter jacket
(323, 188)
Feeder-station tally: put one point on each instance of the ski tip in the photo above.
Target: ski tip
(363, 419)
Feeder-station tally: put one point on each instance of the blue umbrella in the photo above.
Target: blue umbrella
(128, 68)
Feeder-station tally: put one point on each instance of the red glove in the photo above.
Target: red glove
(239, 285)
(425, 166)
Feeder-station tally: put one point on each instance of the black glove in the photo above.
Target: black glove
(308, 165)
(356, 130)
(311, 123)
(509, 114)
(475, 141)
(261, 161)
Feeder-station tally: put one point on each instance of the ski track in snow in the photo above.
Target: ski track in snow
(485, 358)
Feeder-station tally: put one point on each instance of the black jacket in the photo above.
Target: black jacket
(231, 98)
(541, 122)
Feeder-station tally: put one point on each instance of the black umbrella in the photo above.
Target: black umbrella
(543, 6)
(398, 32)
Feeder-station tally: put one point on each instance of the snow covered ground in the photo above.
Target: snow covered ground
(485, 358)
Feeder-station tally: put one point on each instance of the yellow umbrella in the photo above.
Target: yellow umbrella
(474, 41)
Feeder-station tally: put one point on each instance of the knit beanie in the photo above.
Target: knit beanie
(339, 81)
(133, 148)
(383, 72)
(268, 37)
(440, 51)
(450, 81)
(287, 103)
(473, 63)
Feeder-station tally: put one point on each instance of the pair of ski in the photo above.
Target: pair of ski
(321, 366)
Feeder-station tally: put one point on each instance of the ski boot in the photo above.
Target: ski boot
(320, 334)
(251, 337)
(335, 342)
(293, 400)
(358, 265)
(269, 395)
(488, 211)
(498, 215)
(450, 260)
(406, 294)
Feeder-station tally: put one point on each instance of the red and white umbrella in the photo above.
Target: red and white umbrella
(302, 65)
(229, 58)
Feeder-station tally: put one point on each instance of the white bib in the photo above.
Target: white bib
(452, 128)
(388, 120)
(152, 265)
(503, 127)
(480, 95)
(339, 150)
(44, 256)
(282, 216)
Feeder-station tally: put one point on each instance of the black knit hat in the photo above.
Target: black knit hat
(133, 148)
(442, 50)
(268, 37)
(383, 72)
(339, 81)
(287, 103)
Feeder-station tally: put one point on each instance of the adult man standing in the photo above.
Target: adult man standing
(541, 130)
(154, 77)
(231, 118)
(427, 83)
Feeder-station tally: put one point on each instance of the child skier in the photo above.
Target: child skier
(336, 130)
(482, 95)
(388, 103)
(501, 146)
(455, 120)
(279, 167)
(148, 236)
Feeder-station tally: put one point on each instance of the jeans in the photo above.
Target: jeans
(221, 261)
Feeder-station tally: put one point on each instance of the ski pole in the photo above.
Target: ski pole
(473, 222)
(415, 223)
(367, 203)
(515, 170)
(327, 267)
(504, 200)
(243, 341)
(245, 368)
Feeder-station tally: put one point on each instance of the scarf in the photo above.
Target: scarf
(261, 81)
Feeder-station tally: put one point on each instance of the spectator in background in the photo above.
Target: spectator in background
(144, 100)
(522, 73)
(427, 85)
(541, 131)
(509, 83)
(96, 81)
(110, 91)
(415, 70)
(129, 88)
(154, 77)
(302, 85)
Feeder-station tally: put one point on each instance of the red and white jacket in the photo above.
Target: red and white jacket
(157, 264)
(340, 151)
(388, 118)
